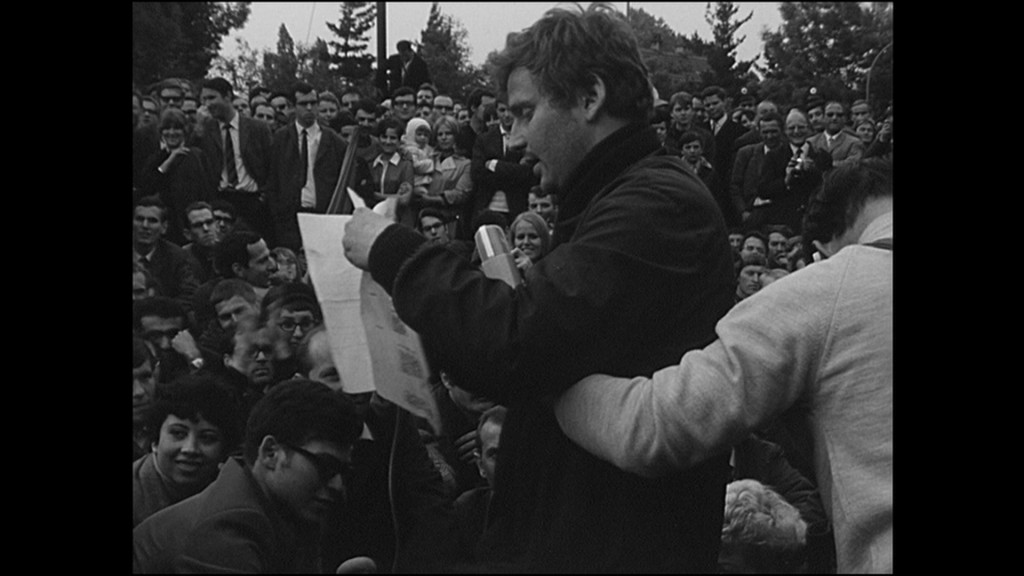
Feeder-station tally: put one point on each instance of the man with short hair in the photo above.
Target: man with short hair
(350, 98)
(171, 94)
(284, 108)
(368, 145)
(168, 262)
(754, 134)
(501, 181)
(752, 268)
(262, 514)
(821, 337)
(237, 150)
(248, 355)
(433, 226)
(425, 94)
(264, 112)
(190, 106)
(725, 134)
(406, 69)
(327, 108)
(845, 148)
(442, 106)
(162, 323)
(681, 111)
(545, 205)
(635, 227)
(203, 233)
(859, 112)
(748, 168)
(403, 104)
(307, 159)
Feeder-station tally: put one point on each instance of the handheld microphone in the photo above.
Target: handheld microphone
(495, 255)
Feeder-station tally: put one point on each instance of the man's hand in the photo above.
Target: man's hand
(184, 344)
(360, 234)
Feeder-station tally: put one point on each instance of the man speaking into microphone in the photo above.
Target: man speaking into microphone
(640, 271)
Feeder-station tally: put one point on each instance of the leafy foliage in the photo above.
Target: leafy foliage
(831, 46)
(443, 47)
(674, 61)
(180, 39)
(725, 70)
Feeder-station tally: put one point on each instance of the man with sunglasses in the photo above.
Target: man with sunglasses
(264, 512)
(845, 148)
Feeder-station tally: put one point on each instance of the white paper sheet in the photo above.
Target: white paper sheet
(372, 348)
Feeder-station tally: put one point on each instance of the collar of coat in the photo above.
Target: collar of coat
(604, 163)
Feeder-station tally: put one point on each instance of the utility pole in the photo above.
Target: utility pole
(382, 49)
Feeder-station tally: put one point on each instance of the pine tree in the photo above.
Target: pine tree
(280, 69)
(443, 47)
(348, 56)
(726, 71)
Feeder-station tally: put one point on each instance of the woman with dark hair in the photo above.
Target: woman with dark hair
(193, 426)
(175, 172)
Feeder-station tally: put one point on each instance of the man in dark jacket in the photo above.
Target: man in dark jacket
(262, 515)
(406, 68)
(640, 272)
(306, 161)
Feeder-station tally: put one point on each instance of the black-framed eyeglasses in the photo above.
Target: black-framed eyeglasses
(289, 325)
(172, 98)
(327, 466)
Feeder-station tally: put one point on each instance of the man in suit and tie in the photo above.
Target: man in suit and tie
(746, 171)
(845, 148)
(237, 151)
(725, 134)
(501, 182)
(306, 163)
(166, 261)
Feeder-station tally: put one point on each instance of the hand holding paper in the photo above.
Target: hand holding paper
(360, 233)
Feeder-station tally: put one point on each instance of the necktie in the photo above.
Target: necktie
(504, 143)
(305, 156)
(229, 157)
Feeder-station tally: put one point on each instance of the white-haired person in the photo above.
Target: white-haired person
(761, 532)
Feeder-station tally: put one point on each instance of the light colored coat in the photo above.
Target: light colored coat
(822, 335)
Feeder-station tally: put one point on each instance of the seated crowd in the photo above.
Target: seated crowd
(243, 427)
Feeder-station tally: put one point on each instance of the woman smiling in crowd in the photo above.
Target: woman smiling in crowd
(194, 426)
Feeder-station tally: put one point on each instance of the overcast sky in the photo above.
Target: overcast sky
(487, 24)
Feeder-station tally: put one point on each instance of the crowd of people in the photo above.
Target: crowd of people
(751, 239)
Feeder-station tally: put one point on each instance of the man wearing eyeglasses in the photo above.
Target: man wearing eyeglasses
(403, 105)
(203, 233)
(306, 161)
(844, 147)
(237, 150)
(264, 511)
(291, 311)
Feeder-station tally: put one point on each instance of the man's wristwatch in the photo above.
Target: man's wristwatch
(197, 363)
